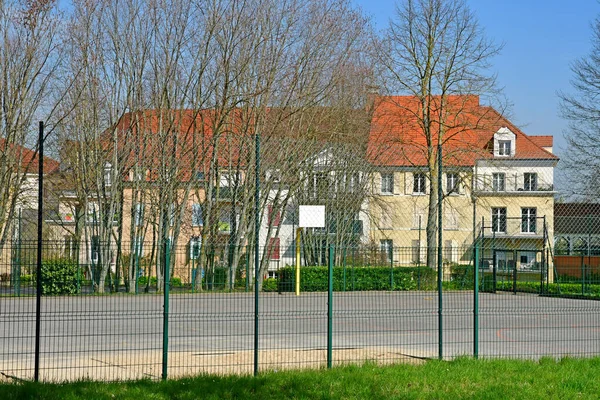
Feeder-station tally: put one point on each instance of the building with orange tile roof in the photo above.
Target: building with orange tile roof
(496, 180)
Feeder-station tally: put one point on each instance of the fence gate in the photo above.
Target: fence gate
(513, 270)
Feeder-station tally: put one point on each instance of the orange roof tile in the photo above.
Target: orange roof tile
(542, 140)
(397, 135)
(28, 159)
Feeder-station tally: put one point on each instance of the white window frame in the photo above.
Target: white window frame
(528, 219)
(227, 179)
(419, 183)
(107, 174)
(197, 217)
(138, 214)
(530, 182)
(499, 182)
(95, 255)
(353, 182)
(499, 219)
(452, 182)
(387, 247)
(195, 242)
(387, 182)
(93, 212)
(317, 179)
(505, 148)
(172, 211)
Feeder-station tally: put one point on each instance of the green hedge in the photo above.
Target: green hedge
(143, 280)
(270, 285)
(215, 279)
(315, 278)
(60, 276)
(557, 289)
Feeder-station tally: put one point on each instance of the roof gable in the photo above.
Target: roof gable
(397, 136)
(27, 159)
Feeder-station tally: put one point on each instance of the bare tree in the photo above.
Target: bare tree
(580, 163)
(109, 79)
(169, 96)
(30, 38)
(432, 50)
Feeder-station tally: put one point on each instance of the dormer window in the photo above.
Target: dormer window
(504, 143)
(504, 147)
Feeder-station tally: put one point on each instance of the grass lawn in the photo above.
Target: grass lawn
(459, 379)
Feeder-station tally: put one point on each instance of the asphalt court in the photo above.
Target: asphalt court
(112, 333)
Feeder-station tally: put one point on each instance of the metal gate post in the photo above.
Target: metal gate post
(256, 244)
(38, 275)
(167, 273)
(330, 308)
(476, 302)
(515, 272)
(543, 256)
(439, 257)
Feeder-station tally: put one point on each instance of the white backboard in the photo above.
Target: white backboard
(312, 217)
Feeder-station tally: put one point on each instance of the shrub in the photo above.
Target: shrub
(60, 276)
(215, 278)
(461, 276)
(269, 285)
(143, 281)
(315, 278)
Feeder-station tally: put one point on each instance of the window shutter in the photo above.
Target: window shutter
(274, 220)
(397, 183)
(188, 252)
(274, 248)
(408, 183)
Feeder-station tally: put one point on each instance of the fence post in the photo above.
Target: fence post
(391, 268)
(494, 266)
(298, 259)
(353, 264)
(544, 261)
(330, 308)
(344, 264)
(582, 277)
(167, 273)
(476, 301)
(256, 244)
(17, 269)
(514, 272)
(38, 291)
(439, 257)
(137, 268)
(247, 268)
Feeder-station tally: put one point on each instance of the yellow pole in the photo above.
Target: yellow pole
(298, 231)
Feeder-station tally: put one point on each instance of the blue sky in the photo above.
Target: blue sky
(541, 39)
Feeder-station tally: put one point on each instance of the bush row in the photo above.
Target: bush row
(569, 289)
(315, 278)
(143, 280)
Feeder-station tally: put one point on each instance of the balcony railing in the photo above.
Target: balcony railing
(523, 227)
(512, 184)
